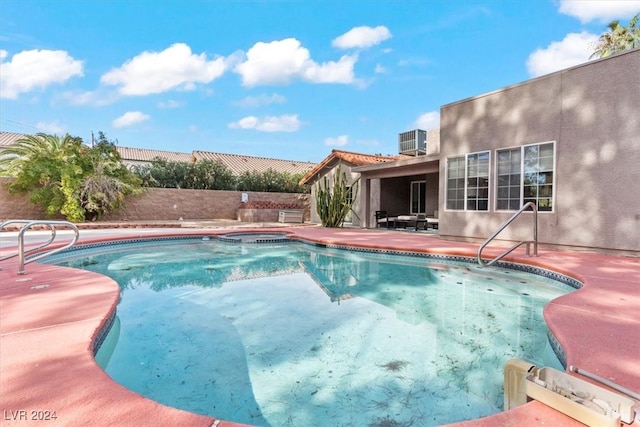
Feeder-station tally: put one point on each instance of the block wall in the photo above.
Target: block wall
(160, 204)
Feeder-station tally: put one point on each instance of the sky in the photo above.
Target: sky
(285, 79)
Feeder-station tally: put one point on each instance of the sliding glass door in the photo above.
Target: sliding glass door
(418, 197)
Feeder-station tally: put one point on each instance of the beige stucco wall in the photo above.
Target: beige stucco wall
(592, 112)
(351, 178)
(159, 204)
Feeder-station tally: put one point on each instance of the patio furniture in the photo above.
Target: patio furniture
(402, 221)
(416, 221)
(421, 219)
(433, 221)
(291, 215)
(383, 219)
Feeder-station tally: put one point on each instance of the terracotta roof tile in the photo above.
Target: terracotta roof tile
(355, 159)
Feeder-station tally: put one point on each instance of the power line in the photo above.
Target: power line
(20, 124)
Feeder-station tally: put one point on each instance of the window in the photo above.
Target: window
(468, 182)
(508, 186)
(455, 183)
(418, 197)
(348, 219)
(525, 174)
(478, 181)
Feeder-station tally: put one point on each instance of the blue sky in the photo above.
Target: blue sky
(283, 79)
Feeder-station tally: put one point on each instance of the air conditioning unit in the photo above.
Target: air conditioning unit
(412, 143)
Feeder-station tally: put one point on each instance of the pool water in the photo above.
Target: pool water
(297, 335)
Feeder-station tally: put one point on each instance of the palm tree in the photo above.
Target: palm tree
(20, 155)
(618, 38)
(67, 177)
(49, 168)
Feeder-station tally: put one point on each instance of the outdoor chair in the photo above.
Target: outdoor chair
(381, 218)
(421, 220)
(433, 222)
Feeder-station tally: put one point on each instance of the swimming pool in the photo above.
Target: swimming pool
(293, 334)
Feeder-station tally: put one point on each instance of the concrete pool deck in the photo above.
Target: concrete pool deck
(50, 317)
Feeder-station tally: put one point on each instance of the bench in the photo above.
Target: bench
(291, 215)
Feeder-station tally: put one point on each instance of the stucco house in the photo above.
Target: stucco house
(568, 141)
(341, 161)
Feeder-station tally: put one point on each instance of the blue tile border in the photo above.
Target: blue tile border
(557, 349)
(255, 238)
(97, 343)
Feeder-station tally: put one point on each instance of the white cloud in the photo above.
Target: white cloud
(426, 121)
(380, 69)
(156, 72)
(600, 10)
(413, 61)
(96, 98)
(260, 100)
(31, 69)
(283, 123)
(130, 118)
(362, 37)
(339, 141)
(332, 72)
(283, 61)
(170, 104)
(52, 128)
(574, 49)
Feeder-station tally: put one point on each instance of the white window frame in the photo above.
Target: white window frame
(522, 197)
(467, 191)
(457, 189)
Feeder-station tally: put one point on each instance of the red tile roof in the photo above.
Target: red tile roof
(354, 159)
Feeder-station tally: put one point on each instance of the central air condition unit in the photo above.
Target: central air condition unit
(413, 143)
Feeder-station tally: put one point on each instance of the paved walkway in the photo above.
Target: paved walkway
(50, 317)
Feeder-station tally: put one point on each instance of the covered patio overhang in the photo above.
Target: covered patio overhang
(387, 186)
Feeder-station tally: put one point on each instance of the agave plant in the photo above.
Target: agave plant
(333, 204)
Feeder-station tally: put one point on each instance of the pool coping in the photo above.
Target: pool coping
(46, 359)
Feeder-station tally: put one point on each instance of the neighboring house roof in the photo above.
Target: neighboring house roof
(139, 155)
(354, 159)
(239, 164)
(9, 138)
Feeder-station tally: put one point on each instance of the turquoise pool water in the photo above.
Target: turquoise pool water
(297, 335)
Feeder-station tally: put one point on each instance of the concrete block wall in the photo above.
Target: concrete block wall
(159, 204)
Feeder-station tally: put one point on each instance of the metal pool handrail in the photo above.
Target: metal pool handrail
(25, 221)
(527, 205)
(30, 223)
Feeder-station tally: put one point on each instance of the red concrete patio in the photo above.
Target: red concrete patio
(50, 317)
